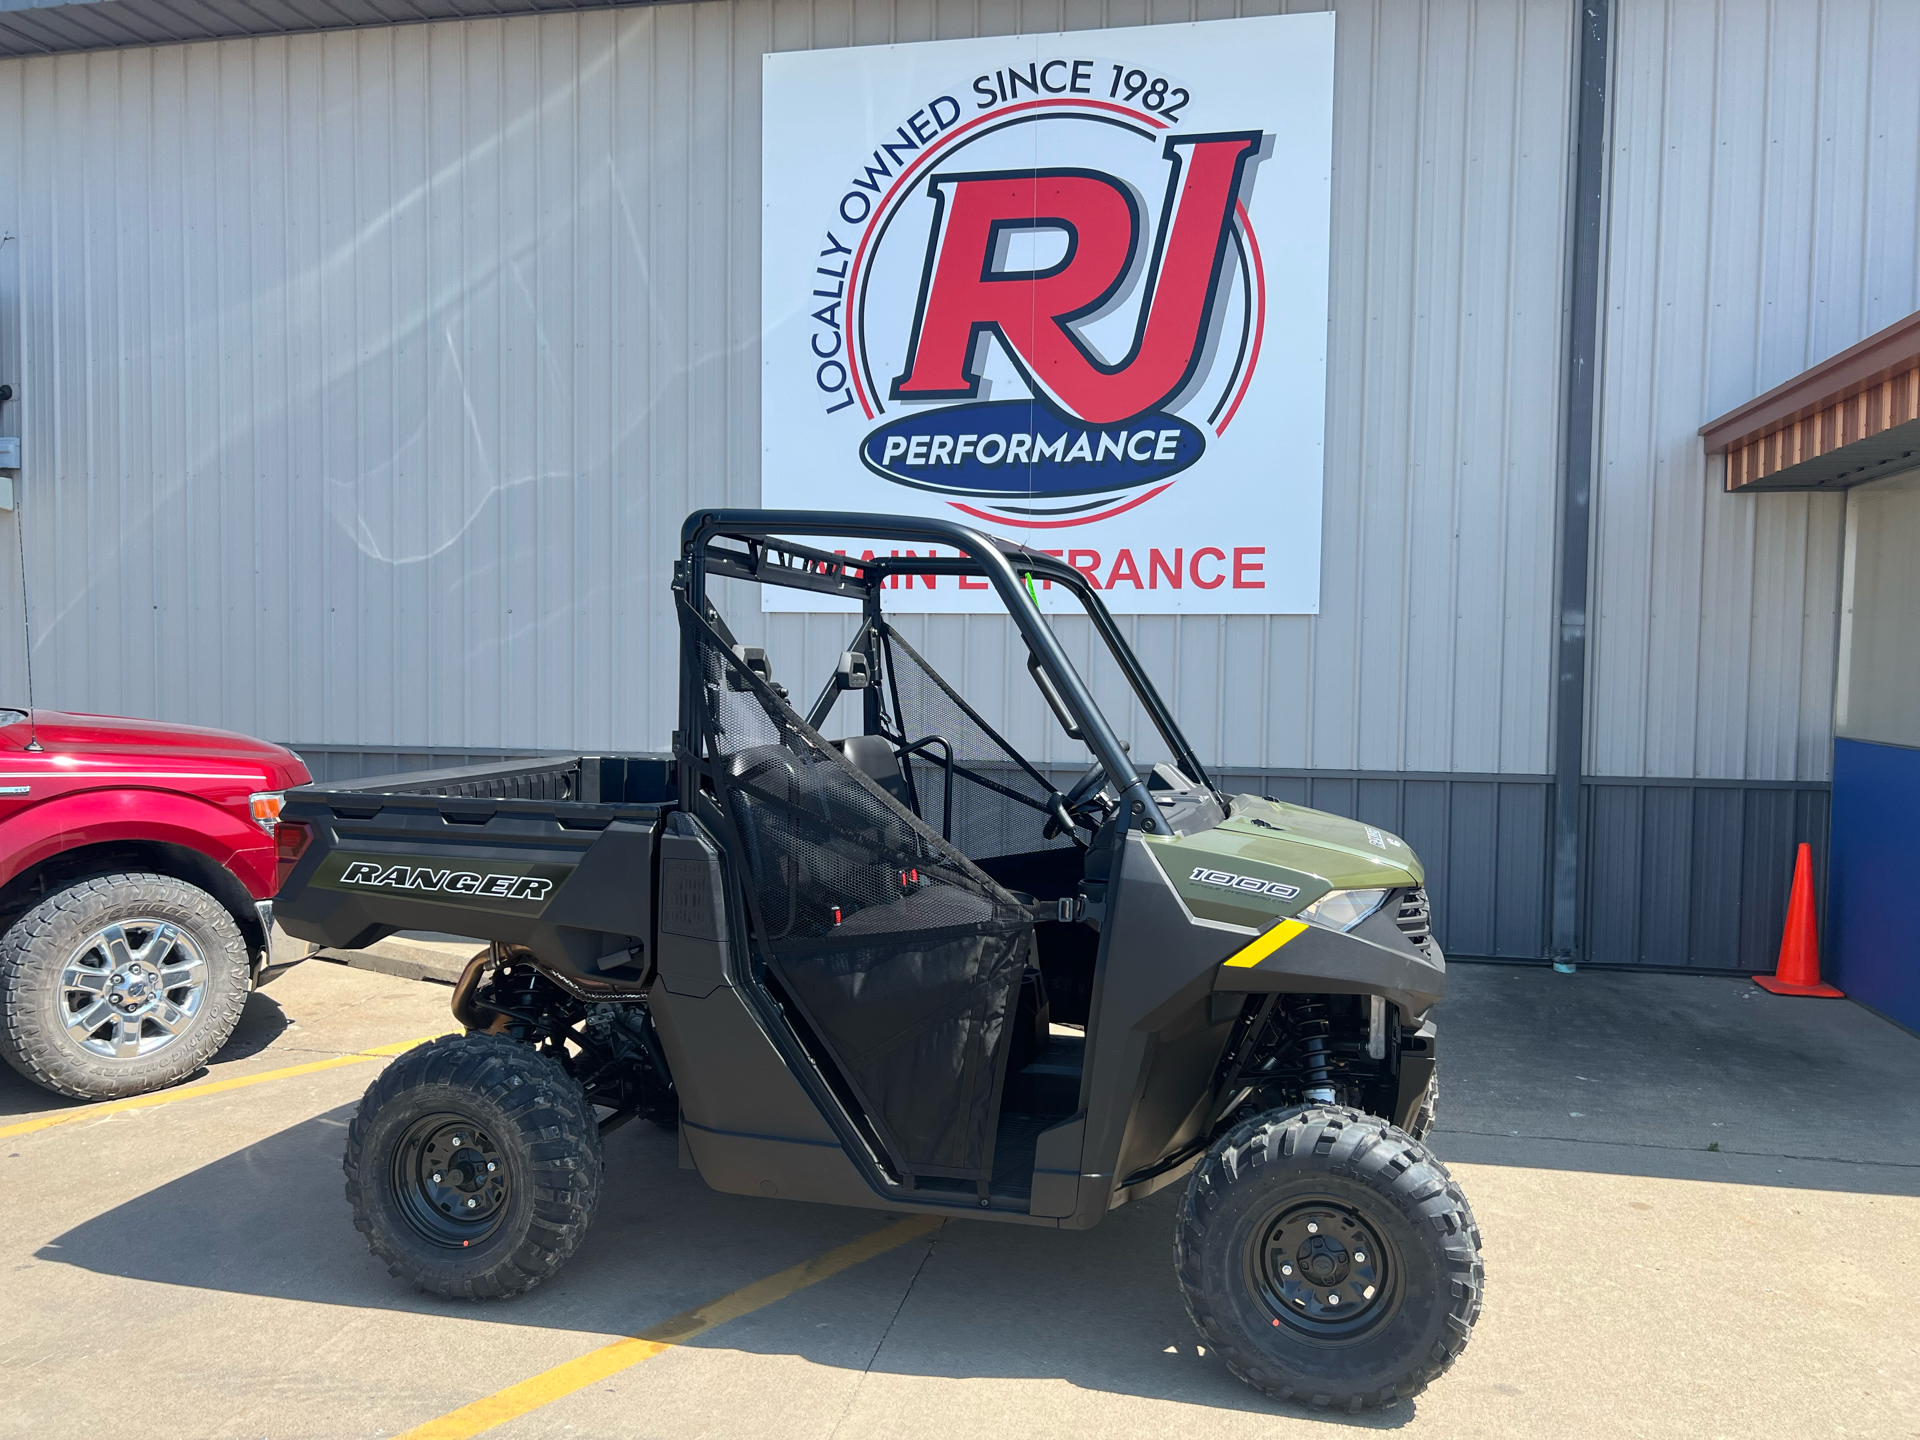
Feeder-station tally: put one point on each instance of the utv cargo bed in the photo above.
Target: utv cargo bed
(584, 779)
(552, 853)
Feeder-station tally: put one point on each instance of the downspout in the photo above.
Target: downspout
(1588, 210)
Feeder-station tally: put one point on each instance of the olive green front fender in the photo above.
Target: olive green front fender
(1293, 957)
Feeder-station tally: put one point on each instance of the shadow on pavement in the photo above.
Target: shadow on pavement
(1098, 1309)
(262, 1022)
(1635, 1075)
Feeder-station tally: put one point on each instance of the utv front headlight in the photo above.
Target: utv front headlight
(1343, 909)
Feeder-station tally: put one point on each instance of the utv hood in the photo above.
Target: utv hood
(1350, 852)
(1285, 848)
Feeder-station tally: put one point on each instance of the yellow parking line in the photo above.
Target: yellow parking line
(212, 1087)
(564, 1379)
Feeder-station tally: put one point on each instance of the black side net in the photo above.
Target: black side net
(902, 956)
(999, 800)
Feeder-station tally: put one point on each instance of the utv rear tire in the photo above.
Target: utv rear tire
(87, 1007)
(1380, 1253)
(473, 1167)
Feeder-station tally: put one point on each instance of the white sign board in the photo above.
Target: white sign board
(1071, 289)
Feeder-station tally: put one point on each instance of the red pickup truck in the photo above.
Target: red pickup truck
(137, 872)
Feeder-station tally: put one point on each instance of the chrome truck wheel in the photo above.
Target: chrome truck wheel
(120, 984)
(132, 988)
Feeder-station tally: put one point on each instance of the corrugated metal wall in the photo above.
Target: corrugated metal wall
(1765, 215)
(1696, 874)
(369, 375)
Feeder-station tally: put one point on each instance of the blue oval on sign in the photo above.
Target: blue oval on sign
(1004, 448)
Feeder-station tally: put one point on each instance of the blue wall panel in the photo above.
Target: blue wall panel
(1876, 854)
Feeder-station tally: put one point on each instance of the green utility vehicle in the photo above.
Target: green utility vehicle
(903, 969)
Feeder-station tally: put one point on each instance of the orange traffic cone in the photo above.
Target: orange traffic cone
(1798, 971)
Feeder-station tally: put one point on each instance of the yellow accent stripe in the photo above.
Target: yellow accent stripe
(214, 1087)
(1265, 944)
(610, 1360)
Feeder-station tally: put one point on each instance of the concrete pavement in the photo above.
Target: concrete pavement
(189, 1270)
(1688, 1076)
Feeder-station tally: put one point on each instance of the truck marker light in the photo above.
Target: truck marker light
(265, 805)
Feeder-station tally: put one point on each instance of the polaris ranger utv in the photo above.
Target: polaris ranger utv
(903, 970)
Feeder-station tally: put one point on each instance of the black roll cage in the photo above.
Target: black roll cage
(768, 557)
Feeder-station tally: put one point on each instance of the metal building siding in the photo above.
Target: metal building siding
(1764, 215)
(368, 376)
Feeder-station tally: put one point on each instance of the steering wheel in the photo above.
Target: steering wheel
(1065, 808)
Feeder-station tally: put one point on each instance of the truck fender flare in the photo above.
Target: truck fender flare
(96, 817)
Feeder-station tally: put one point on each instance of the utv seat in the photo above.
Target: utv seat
(807, 825)
(873, 757)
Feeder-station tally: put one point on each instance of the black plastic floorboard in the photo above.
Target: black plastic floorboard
(1013, 1149)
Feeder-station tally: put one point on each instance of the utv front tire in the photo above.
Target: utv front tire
(120, 984)
(473, 1167)
(1329, 1258)
(1421, 1125)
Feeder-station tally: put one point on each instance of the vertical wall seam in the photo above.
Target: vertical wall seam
(1407, 487)
(1363, 457)
(1694, 758)
(1650, 453)
(1459, 446)
(1504, 429)
(122, 478)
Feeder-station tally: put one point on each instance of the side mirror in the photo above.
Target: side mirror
(1052, 697)
(853, 672)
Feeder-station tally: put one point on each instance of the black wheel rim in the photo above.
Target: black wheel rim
(1324, 1271)
(451, 1180)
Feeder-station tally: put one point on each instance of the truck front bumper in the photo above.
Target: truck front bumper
(281, 952)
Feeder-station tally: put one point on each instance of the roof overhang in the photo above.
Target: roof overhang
(49, 27)
(1848, 420)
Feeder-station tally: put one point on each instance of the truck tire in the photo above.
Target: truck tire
(473, 1167)
(1329, 1258)
(120, 984)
